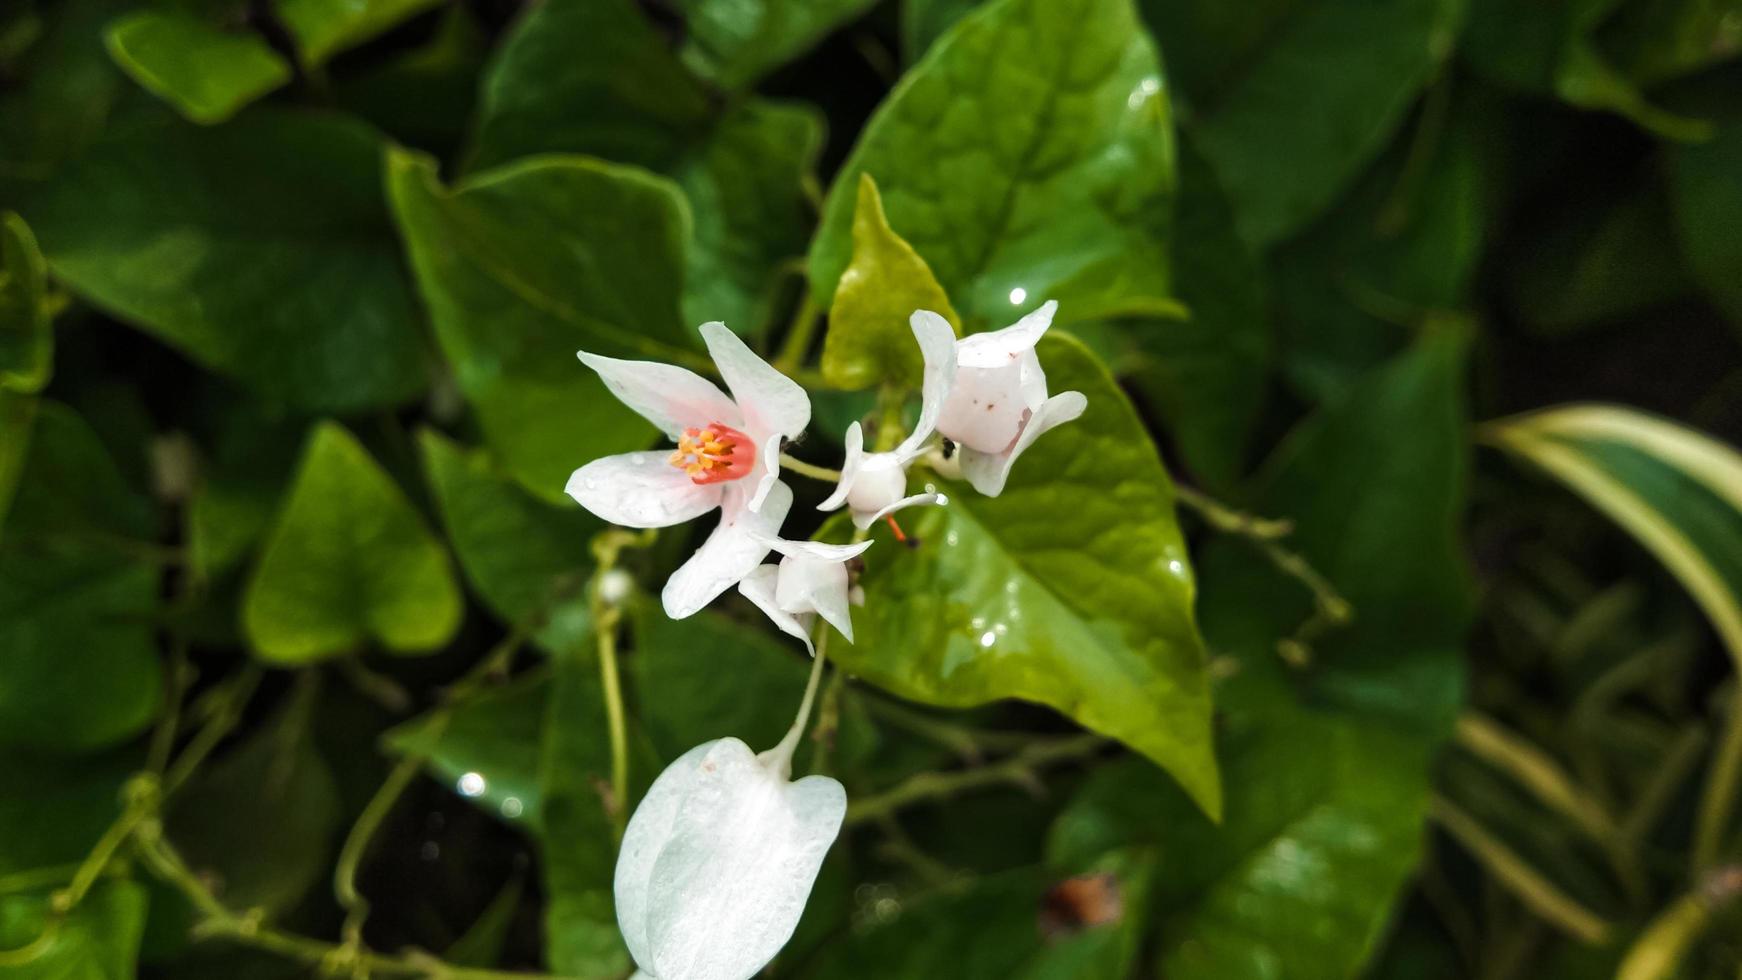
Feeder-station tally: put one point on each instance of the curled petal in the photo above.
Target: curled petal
(817, 585)
(1001, 347)
(767, 471)
(640, 490)
(937, 344)
(819, 550)
(735, 548)
(670, 397)
(849, 468)
(718, 861)
(863, 521)
(988, 471)
(759, 588)
(771, 401)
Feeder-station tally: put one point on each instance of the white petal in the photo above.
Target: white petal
(731, 881)
(882, 480)
(988, 471)
(849, 468)
(1001, 347)
(770, 401)
(987, 407)
(735, 548)
(670, 397)
(649, 828)
(640, 490)
(767, 470)
(818, 585)
(937, 343)
(863, 521)
(819, 550)
(758, 587)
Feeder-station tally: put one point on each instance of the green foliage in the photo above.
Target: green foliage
(26, 337)
(495, 738)
(1072, 588)
(348, 564)
(208, 74)
(98, 941)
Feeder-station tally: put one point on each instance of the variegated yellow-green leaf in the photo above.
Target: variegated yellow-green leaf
(869, 340)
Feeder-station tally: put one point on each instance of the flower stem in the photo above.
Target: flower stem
(606, 631)
(781, 754)
(803, 468)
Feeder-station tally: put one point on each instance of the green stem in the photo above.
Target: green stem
(224, 712)
(1719, 798)
(617, 729)
(798, 335)
(1226, 519)
(1020, 769)
(803, 468)
(357, 841)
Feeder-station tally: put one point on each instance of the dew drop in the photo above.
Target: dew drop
(470, 784)
(1017, 295)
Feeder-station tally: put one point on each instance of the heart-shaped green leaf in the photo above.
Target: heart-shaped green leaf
(349, 563)
(1072, 588)
(206, 72)
(1028, 156)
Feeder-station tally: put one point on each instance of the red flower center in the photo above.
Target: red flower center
(714, 454)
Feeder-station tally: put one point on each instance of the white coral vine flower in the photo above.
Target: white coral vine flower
(997, 403)
(874, 485)
(719, 859)
(727, 457)
(810, 581)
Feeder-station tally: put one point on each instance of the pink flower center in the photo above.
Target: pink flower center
(714, 454)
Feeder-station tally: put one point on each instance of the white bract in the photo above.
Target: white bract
(727, 456)
(874, 485)
(719, 859)
(810, 581)
(997, 403)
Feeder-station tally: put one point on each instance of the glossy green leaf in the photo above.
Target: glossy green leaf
(26, 334)
(323, 28)
(523, 266)
(737, 43)
(262, 821)
(1027, 157)
(589, 77)
(869, 340)
(349, 564)
(77, 600)
(1208, 373)
(1679, 493)
(99, 940)
(1322, 84)
(206, 73)
(488, 750)
(526, 558)
(579, 842)
(1072, 588)
(262, 249)
(1708, 210)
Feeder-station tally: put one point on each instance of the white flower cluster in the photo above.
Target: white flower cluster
(720, 856)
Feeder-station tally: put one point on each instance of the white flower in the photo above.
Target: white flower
(811, 580)
(874, 485)
(997, 403)
(727, 456)
(719, 859)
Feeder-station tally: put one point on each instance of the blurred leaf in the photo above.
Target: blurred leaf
(1707, 200)
(517, 551)
(706, 677)
(1548, 49)
(70, 85)
(750, 218)
(523, 266)
(251, 461)
(80, 670)
(348, 562)
(322, 28)
(1072, 589)
(424, 96)
(98, 940)
(263, 820)
(1679, 493)
(588, 77)
(1321, 84)
(924, 21)
(1655, 40)
(494, 735)
(1324, 826)
(991, 929)
(485, 939)
(1027, 157)
(206, 73)
(1659, 950)
(262, 249)
(869, 341)
(579, 845)
(17, 416)
(1208, 373)
(58, 807)
(26, 333)
(736, 43)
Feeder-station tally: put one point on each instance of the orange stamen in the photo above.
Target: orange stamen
(899, 536)
(714, 454)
